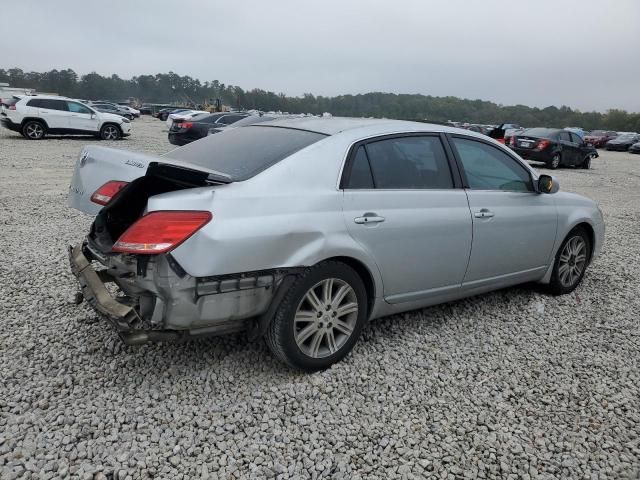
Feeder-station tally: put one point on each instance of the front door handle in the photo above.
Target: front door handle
(368, 218)
(484, 213)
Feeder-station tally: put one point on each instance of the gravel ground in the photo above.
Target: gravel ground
(514, 384)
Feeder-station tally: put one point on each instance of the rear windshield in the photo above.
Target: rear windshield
(244, 152)
(598, 133)
(540, 132)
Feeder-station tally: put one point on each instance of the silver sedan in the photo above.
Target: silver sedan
(302, 230)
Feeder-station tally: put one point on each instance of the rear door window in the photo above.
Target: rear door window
(244, 152)
(564, 137)
(48, 104)
(415, 162)
(360, 176)
(575, 138)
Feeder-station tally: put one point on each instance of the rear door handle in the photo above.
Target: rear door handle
(484, 213)
(368, 219)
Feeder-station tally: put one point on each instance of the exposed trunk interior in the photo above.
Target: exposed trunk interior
(130, 203)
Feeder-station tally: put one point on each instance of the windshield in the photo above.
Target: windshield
(241, 153)
(540, 132)
(626, 136)
(598, 133)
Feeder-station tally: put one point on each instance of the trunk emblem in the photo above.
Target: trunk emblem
(133, 163)
(83, 158)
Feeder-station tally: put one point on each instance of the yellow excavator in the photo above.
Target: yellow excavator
(215, 106)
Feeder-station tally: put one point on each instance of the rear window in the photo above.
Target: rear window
(244, 152)
(540, 132)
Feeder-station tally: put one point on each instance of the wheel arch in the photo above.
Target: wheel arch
(592, 235)
(583, 223)
(111, 122)
(364, 273)
(34, 119)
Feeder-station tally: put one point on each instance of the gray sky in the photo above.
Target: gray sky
(581, 53)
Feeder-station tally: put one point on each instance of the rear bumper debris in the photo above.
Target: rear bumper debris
(124, 317)
(93, 289)
(159, 302)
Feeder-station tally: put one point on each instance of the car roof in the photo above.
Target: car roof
(48, 97)
(335, 125)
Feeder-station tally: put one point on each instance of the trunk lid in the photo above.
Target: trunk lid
(524, 141)
(98, 165)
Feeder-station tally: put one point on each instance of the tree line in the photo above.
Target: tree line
(182, 89)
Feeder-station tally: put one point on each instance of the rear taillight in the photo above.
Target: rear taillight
(106, 192)
(512, 141)
(160, 232)
(12, 107)
(185, 125)
(542, 144)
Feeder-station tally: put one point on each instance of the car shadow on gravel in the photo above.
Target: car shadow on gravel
(226, 353)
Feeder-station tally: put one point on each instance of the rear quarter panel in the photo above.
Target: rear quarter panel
(289, 215)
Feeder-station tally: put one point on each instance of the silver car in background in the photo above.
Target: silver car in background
(302, 230)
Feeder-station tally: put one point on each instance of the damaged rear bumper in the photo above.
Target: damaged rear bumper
(160, 302)
(124, 317)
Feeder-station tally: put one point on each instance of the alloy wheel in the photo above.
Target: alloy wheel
(110, 133)
(325, 318)
(555, 161)
(573, 260)
(34, 131)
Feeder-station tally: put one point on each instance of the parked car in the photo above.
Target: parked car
(302, 230)
(503, 131)
(146, 110)
(635, 148)
(554, 147)
(133, 111)
(623, 142)
(598, 138)
(113, 109)
(249, 120)
(184, 131)
(187, 115)
(165, 112)
(37, 116)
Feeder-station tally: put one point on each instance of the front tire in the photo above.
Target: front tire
(320, 319)
(110, 132)
(34, 130)
(571, 262)
(586, 163)
(555, 161)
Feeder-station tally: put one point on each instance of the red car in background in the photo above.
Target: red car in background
(598, 138)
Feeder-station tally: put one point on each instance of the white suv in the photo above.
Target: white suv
(36, 116)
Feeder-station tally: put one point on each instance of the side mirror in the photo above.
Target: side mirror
(547, 184)
(93, 115)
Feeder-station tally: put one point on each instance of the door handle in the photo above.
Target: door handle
(484, 213)
(368, 218)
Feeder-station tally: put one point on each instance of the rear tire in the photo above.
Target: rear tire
(320, 318)
(571, 262)
(555, 161)
(34, 130)
(110, 132)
